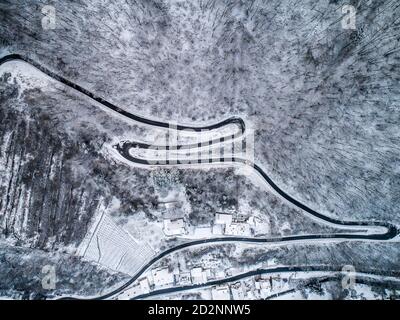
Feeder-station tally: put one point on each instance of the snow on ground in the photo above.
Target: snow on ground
(26, 76)
(111, 246)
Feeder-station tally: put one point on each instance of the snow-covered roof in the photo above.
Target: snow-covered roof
(162, 277)
(223, 218)
(221, 293)
(198, 275)
(174, 227)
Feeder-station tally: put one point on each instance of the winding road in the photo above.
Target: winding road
(336, 274)
(389, 231)
(152, 122)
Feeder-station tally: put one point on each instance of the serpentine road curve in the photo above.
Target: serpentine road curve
(391, 231)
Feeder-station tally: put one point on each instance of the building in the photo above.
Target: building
(242, 218)
(162, 277)
(220, 274)
(238, 229)
(237, 291)
(223, 218)
(198, 275)
(185, 278)
(174, 227)
(169, 205)
(144, 285)
(221, 293)
(217, 229)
